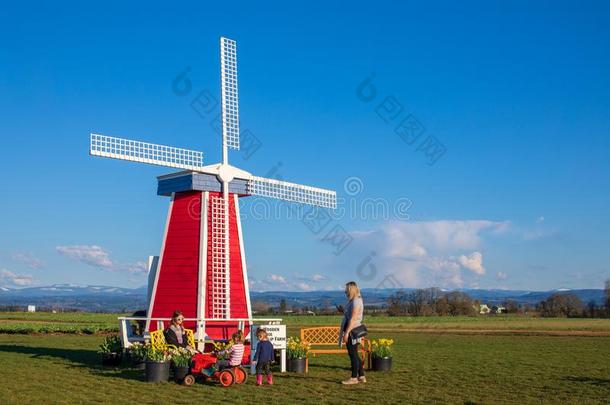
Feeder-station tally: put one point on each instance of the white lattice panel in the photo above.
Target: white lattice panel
(283, 190)
(144, 152)
(228, 91)
(220, 269)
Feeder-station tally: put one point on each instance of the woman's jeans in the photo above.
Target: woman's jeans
(352, 351)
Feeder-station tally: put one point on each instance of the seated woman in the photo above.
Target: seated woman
(174, 334)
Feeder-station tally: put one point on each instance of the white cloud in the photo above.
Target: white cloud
(137, 267)
(96, 256)
(19, 280)
(501, 276)
(540, 219)
(276, 282)
(92, 255)
(304, 286)
(276, 278)
(424, 253)
(473, 262)
(418, 238)
(400, 254)
(316, 278)
(256, 285)
(28, 258)
(445, 272)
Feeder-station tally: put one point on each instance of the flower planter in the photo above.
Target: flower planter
(134, 362)
(180, 372)
(157, 371)
(297, 365)
(138, 365)
(382, 363)
(111, 359)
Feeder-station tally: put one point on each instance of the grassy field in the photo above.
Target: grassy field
(437, 360)
(88, 323)
(427, 369)
(47, 322)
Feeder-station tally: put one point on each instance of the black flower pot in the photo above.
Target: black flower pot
(180, 372)
(382, 363)
(296, 365)
(134, 362)
(138, 364)
(111, 359)
(157, 371)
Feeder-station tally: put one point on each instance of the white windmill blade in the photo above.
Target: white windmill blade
(144, 152)
(299, 193)
(228, 93)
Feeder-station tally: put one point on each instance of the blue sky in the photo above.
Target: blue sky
(516, 94)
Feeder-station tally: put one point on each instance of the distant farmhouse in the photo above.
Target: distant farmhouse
(484, 309)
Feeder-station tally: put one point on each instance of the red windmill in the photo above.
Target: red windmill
(201, 269)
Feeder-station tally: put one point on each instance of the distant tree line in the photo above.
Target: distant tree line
(430, 302)
(561, 306)
(435, 302)
(570, 306)
(260, 307)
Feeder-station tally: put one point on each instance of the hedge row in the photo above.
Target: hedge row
(23, 329)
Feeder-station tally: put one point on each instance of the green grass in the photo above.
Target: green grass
(428, 368)
(46, 322)
(86, 323)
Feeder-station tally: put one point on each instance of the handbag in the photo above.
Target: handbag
(358, 332)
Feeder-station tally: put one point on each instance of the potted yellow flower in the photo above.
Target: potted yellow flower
(157, 365)
(382, 354)
(220, 348)
(111, 350)
(297, 351)
(137, 355)
(181, 362)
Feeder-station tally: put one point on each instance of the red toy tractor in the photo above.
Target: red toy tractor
(206, 365)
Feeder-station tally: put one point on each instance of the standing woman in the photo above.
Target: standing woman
(352, 317)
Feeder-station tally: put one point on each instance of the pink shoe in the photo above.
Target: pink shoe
(259, 379)
(269, 379)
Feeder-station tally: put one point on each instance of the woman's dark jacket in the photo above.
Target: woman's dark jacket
(172, 339)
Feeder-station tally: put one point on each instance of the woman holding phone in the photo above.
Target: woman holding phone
(352, 318)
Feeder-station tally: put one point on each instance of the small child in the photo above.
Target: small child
(237, 349)
(263, 357)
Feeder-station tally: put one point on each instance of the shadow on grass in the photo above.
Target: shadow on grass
(90, 359)
(600, 382)
(82, 358)
(123, 373)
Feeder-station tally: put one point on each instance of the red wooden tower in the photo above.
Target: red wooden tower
(201, 269)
